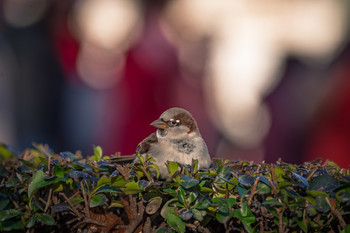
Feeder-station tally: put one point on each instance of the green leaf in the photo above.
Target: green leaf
(116, 203)
(321, 204)
(202, 204)
(76, 200)
(5, 153)
(172, 167)
(171, 192)
(140, 157)
(45, 219)
(118, 181)
(7, 214)
(188, 182)
(58, 172)
(191, 198)
(181, 195)
(325, 183)
(199, 214)
(102, 182)
(262, 189)
(108, 189)
(4, 203)
(132, 188)
(98, 200)
(246, 181)
(194, 166)
(245, 209)
(346, 229)
(155, 167)
(279, 173)
(242, 191)
(31, 222)
(97, 154)
(223, 217)
(315, 193)
(175, 222)
(231, 201)
(302, 225)
(38, 181)
(153, 205)
(11, 225)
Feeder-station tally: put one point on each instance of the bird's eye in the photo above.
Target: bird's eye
(173, 122)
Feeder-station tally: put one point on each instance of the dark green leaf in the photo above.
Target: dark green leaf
(97, 200)
(324, 183)
(4, 203)
(175, 222)
(186, 214)
(68, 155)
(7, 214)
(302, 179)
(181, 195)
(11, 225)
(45, 218)
(246, 181)
(108, 189)
(321, 204)
(31, 222)
(76, 200)
(242, 191)
(302, 225)
(188, 182)
(199, 214)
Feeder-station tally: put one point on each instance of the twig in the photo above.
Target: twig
(48, 203)
(273, 186)
(138, 219)
(147, 226)
(272, 169)
(42, 200)
(280, 221)
(71, 205)
(128, 210)
(203, 229)
(89, 220)
(336, 213)
(311, 175)
(87, 211)
(253, 191)
(122, 171)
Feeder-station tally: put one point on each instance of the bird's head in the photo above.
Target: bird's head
(176, 123)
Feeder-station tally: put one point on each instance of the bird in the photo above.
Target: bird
(177, 138)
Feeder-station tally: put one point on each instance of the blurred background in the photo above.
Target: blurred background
(265, 79)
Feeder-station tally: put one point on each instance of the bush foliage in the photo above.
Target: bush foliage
(41, 191)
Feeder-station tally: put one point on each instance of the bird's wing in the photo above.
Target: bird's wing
(145, 145)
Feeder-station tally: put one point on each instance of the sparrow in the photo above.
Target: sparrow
(177, 139)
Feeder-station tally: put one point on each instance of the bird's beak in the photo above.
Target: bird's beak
(159, 124)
